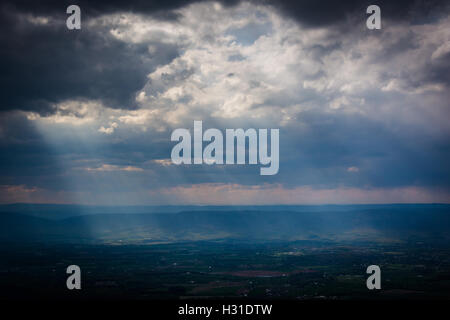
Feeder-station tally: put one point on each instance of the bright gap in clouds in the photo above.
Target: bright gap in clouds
(248, 66)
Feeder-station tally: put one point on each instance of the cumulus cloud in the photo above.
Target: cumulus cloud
(111, 167)
(164, 162)
(72, 112)
(282, 70)
(108, 130)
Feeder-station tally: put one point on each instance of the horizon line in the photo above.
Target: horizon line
(224, 205)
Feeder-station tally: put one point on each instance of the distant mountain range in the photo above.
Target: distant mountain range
(24, 222)
(61, 211)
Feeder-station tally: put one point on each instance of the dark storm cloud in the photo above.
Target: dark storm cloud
(94, 8)
(308, 12)
(45, 64)
(313, 13)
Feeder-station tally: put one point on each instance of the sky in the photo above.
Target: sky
(86, 115)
